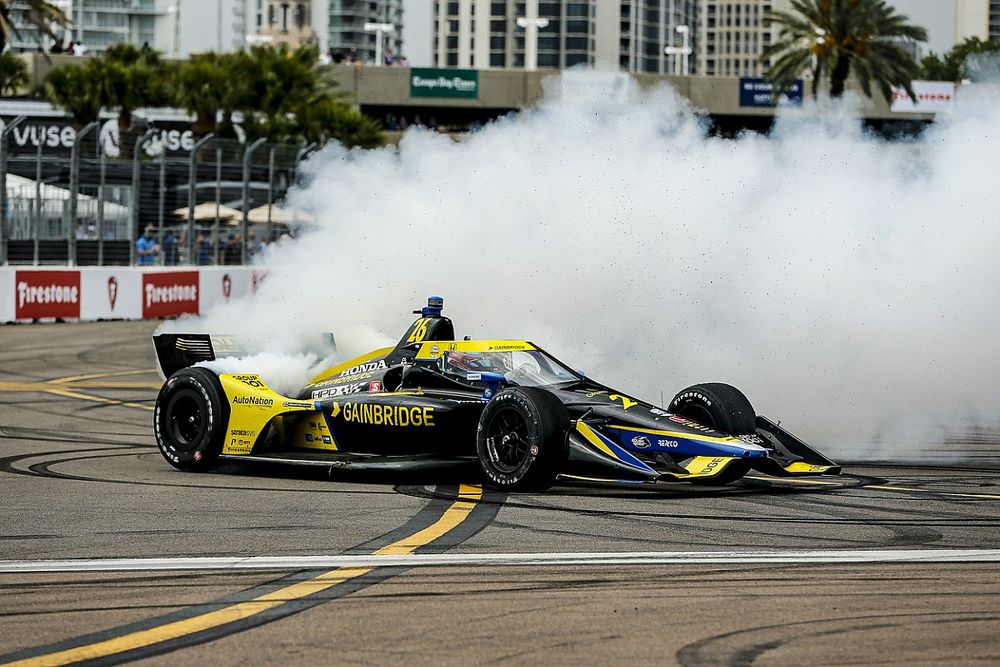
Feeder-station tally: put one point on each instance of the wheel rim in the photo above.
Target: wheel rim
(507, 440)
(700, 414)
(186, 420)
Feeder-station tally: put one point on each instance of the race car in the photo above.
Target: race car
(527, 418)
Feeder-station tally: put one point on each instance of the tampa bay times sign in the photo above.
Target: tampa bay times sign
(439, 82)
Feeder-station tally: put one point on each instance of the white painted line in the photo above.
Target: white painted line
(513, 559)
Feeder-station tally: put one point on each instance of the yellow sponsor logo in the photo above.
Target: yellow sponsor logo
(800, 467)
(419, 330)
(626, 401)
(387, 415)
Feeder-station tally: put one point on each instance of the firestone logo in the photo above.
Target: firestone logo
(32, 294)
(170, 294)
(39, 294)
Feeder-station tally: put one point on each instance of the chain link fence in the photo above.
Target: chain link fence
(78, 199)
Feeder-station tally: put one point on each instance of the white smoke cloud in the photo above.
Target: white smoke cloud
(847, 284)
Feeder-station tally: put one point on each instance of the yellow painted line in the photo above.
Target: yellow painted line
(453, 516)
(189, 626)
(98, 399)
(49, 385)
(95, 376)
(880, 487)
(932, 491)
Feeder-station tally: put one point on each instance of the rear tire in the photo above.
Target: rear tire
(723, 408)
(190, 419)
(521, 439)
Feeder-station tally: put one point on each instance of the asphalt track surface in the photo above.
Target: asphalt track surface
(884, 565)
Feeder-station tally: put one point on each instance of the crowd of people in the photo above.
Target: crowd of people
(352, 57)
(153, 250)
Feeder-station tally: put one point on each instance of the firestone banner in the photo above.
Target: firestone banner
(40, 294)
(932, 97)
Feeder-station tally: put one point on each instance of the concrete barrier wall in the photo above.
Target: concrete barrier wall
(119, 293)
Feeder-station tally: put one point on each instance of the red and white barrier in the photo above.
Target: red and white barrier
(119, 293)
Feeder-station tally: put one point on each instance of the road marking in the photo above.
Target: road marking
(456, 513)
(939, 493)
(389, 557)
(68, 387)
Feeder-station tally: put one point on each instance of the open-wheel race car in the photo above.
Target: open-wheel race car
(525, 416)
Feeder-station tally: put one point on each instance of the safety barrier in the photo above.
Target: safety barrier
(119, 293)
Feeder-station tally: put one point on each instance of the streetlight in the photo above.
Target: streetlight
(531, 27)
(379, 29)
(683, 51)
(175, 9)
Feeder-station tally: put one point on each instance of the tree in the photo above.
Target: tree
(126, 79)
(13, 73)
(71, 88)
(206, 84)
(44, 16)
(832, 38)
(951, 67)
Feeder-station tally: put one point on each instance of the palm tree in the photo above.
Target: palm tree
(71, 88)
(832, 38)
(205, 85)
(126, 78)
(13, 73)
(44, 16)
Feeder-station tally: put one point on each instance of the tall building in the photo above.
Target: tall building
(994, 20)
(106, 22)
(732, 36)
(346, 21)
(629, 35)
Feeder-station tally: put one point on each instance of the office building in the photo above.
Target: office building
(630, 35)
(732, 36)
(105, 22)
(345, 26)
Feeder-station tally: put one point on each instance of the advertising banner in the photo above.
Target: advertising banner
(170, 293)
(439, 82)
(40, 294)
(111, 294)
(756, 92)
(932, 97)
(224, 284)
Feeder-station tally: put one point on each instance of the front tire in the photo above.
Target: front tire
(521, 439)
(190, 419)
(723, 408)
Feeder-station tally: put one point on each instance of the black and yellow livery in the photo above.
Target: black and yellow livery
(526, 417)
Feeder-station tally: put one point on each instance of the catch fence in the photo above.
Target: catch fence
(84, 197)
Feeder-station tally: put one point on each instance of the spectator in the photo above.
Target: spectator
(338, 56)
(147, 250)
(326, 57)
(253, 246)
(388, 58)
(57, 47)
(146, 48)
(403, 61)
(79, 49)
(170, 250)
(233, 253)
(204, 250)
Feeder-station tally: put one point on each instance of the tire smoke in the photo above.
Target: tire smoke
(848, 285)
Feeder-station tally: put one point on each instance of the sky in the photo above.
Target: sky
(938, 16)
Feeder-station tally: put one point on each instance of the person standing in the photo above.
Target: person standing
(147, 250)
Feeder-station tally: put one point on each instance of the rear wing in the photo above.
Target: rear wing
(177, 351)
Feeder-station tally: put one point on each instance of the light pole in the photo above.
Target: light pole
(531, 24)
(379, 29)
(175, 9)
(681, 63)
